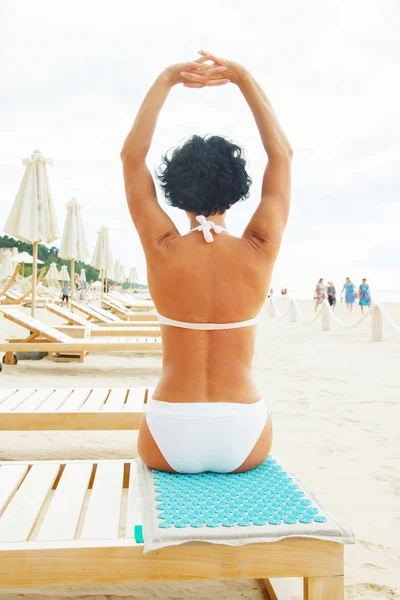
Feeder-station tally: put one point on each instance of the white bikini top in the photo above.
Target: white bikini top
(206, 226)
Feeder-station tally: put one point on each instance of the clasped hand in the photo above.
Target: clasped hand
(199, 74)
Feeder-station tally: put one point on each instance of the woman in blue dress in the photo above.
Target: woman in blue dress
(364, 295)
(350, 294)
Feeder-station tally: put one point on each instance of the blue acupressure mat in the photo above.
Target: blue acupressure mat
(265, 495)
(266, 504)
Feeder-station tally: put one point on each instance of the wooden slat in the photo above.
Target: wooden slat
(10, 478)
(20, 516)
(62, 516)
(35, 400)
(6, 393)
(115, 400)
(135, 400)
(95, 401)
(75, 400)
(13, 401)
(134, 507)
(55, 400)
(103, 514)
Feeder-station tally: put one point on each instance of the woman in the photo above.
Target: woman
(206, 413)
(364, 295)
(331, 291)
(319, 294)
(350, 294)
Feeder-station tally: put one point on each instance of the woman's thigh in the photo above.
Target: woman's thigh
(260, 451)
(148, 450)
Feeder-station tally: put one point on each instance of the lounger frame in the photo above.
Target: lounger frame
(49, 409)
(85, 537)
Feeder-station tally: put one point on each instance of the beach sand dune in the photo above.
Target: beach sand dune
(335, 401)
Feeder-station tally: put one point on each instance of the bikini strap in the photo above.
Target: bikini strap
(206, 226)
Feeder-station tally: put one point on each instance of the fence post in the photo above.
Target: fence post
(293, 312)
(376, 323)
(325, 321)
(272, 309)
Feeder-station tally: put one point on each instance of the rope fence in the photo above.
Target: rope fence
(377, 314)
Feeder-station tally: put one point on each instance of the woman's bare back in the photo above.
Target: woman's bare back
(221, 282)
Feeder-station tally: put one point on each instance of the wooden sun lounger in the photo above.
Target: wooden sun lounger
(72, 523)
(120, 311)
(12, 297)
(30, 409)
(128, 302)
(10, 283)
(43, 338)
(100, 316)
(141, 328)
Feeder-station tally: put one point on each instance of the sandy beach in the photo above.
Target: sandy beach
(335, 401)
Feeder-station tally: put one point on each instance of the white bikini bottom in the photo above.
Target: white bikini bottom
(205, 436)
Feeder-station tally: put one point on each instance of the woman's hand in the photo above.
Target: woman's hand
(197, 74)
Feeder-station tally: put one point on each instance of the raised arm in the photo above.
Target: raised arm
(151, 221)
(269, 220)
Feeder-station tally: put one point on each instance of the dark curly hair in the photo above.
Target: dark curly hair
(205, 176)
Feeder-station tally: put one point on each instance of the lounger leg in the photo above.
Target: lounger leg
(324, 588)
(269, 590)
(10, 358)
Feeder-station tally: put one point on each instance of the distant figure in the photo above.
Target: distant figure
(282, 291)
(319, 294)
(331, 291)
(106, 286)
(78, 283)
(65, 293)
(364, 295)
(285, 291)
(350, 293)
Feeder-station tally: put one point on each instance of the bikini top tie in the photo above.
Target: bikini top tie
(206, 227)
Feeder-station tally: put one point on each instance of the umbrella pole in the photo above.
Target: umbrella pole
(34, 275)
(102, 284)
(23, 269)
(72, 281)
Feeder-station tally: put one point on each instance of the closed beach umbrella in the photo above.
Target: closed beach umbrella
(118, 274)
(23, 258)
(82, 275)
(73, 242)
(102, 258)
(7, 264)
(133, 276)
(64, 275)
(52, 274)
(32, 218)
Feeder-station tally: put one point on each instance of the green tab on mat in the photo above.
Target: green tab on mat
(138, 533)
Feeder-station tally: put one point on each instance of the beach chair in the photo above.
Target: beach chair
(140, 328)
(79, 523)
(30, 409)
(10, 282)
(95, 314)
(59, 346)
(129, 301)
(13, 297)
(120, 311)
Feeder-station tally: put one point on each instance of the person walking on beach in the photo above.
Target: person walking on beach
(78, 287)
(206, 413)
(350, 294)
(319, 294)
(331, 291)
(65, 293)
(364, 295)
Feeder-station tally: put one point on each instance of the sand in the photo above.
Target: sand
(335, 401)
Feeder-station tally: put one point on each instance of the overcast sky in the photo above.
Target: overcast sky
(73, 75)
